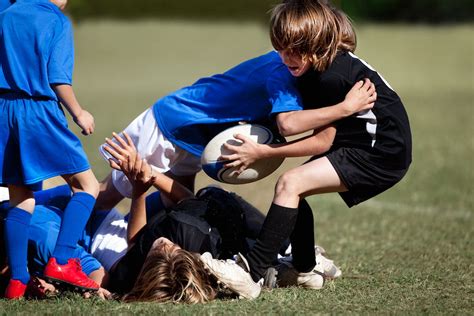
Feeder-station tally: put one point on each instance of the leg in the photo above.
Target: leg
(85, 182)
(315, 177)
(63, 267)
(76, 214)
(16, 227)
(302, 239)
(21, 197)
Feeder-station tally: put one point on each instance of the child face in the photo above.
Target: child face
(296, 63)
(61, 4)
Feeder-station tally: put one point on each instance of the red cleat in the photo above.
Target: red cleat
(69, 274)
(15, 290)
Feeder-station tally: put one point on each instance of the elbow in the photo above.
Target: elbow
(285, 130)
(326, 147)
(285, 125)
(320, 149)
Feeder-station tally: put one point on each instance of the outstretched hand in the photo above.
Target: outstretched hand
(127, 160)
(361, 97)
(243, 155)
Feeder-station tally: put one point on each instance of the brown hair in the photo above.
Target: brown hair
(176, 276)
(312, 28)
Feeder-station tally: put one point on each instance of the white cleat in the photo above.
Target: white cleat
(324, 266)
(232, 274)
(327, 267)
(289, 276)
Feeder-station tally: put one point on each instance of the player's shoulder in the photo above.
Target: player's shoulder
(57, 14)
(276, 64)
(274, 70)
(49, 12)
(265, 63)
(39, 13)
(263, 68)
(342, 65)
(345, 69)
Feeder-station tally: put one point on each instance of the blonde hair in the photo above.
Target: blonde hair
(312, 28)
(176, 276)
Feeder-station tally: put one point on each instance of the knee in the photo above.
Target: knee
(287, 184)
(92, 187)
(87, 184)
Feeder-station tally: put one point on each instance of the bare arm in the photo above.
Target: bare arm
(318, 143)
(142, 177)
(249, 151)
(80, 116)
(137, 219)
(174, 190)
(361, 97)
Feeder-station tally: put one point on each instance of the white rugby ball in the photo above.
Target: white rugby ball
(256, 171)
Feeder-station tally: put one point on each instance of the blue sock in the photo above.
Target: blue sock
(74, 221)
(16, 239)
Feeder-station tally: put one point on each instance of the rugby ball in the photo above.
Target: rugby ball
(215, 169)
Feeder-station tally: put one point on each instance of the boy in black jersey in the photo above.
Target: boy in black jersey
(359, 156)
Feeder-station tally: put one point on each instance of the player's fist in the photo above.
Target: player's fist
(85, 121)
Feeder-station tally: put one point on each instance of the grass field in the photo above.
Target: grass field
(408, 251)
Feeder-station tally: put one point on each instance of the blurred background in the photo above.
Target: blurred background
(409, 249)
(433, 11)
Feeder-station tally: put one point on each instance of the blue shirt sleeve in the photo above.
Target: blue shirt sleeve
(61, 61)
(283, 94)
(4, 4)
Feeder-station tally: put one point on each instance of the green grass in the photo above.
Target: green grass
(408, 251)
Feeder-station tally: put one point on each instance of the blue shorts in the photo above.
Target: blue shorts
(35, 142)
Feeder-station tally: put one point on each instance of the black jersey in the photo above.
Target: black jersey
(382, 133)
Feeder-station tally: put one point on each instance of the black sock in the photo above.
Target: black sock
(302, 239)
(277, 227)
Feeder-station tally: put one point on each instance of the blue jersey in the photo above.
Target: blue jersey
(252, 91)
(4, 4)
(36, 48)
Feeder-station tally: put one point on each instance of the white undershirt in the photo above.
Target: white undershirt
(109, 243)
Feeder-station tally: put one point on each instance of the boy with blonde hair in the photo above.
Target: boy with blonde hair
(359, 156)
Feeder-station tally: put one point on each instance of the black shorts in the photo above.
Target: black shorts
(363, 178)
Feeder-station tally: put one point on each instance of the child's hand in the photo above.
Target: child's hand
(361, 97)
(243, 155)
(40, 289)
(137, 170)
(85, 121)
(101, 293)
